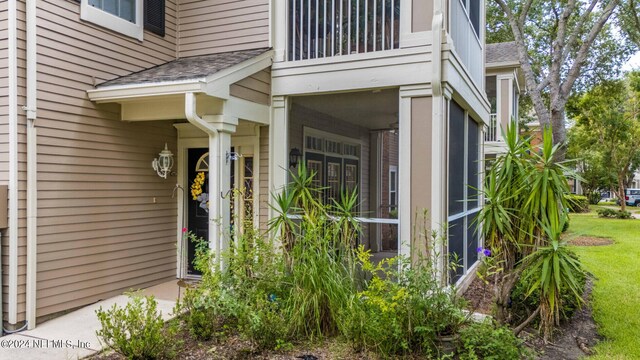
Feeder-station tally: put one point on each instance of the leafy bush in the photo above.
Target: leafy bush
(488, 341)
(614, 214)
(594, 197)
(403, 311)
(137, 331)
(577, 203)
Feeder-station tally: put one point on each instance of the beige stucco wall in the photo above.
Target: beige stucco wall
(421, 167)
(214, 26)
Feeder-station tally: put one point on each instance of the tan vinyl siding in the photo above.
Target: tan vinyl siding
(422, 15)
(4, 98)
(106, 221)
(255, 88)
(264, 178)
(215, 26)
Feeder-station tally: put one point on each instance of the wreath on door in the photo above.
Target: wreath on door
(197, 187)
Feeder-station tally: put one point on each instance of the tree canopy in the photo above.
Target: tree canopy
(562, 44)
(606, 134)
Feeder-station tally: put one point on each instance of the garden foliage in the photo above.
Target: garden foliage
(525, 211)
(137, 331)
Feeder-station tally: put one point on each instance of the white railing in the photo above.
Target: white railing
(324, 28)
(466, 42)
(492, 130)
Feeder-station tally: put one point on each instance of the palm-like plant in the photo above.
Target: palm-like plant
(524, 192)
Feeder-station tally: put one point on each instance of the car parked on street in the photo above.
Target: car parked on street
(632, 197)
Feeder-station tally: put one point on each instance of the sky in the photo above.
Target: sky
(633, 63)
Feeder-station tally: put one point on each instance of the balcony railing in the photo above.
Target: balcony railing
(324, 28)
(491, 133)
(466, 41)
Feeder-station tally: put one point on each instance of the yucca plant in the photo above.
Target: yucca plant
(553, 269)
(524, 192)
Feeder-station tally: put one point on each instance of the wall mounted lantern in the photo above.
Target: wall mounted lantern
(294, 157)
(164, 162)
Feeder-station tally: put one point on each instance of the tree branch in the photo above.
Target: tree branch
(521, 327)
(582, 54)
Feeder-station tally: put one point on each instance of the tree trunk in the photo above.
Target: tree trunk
(559, 132)
(623, 201)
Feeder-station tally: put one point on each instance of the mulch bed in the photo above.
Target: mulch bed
(574, 338)
(590, 241)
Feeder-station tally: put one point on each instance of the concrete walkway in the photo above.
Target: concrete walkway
(73, 336)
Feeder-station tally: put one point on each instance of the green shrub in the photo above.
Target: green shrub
(401, 312)
(577, 203)
(523, 305)
(614, 214)
(137, 330)
(265, 324)
(594, 197)
(488, 341)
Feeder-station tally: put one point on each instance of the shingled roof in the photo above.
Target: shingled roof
(188, 68)
(505, 52)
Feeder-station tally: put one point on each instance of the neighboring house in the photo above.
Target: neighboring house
(504, 80)
(92, 92)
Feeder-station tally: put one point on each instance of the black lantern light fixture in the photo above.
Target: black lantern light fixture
(294, 157)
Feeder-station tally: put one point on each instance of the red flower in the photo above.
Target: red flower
(184, 230)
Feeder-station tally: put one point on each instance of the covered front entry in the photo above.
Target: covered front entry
(243, 188)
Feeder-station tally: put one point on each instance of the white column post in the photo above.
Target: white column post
(279, 21)
(278, 145)
(404, 175)
(219, 181)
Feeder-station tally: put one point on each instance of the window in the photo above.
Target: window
(473, 11)
(123, 16)
(126, 16)
(393, 187)
(464, 180)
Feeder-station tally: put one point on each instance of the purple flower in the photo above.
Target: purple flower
(487, 252)
(479, 249)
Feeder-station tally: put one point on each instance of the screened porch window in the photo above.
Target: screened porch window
(464, 180)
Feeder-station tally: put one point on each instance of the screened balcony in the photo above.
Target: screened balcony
(325, 28)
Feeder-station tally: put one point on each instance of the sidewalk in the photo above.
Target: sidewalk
(73, 336)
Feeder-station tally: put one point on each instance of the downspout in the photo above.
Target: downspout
(32, 164)
(13, 163)
(209, 129)
(438, 212)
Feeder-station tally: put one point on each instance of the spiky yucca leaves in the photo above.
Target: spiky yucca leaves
(524, 189)
(553, 269)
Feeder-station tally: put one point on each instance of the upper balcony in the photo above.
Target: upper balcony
(325, 28)
(465, 29)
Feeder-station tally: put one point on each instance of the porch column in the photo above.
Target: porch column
(278, 146)
(504, 96)
(422, 171)
(219, 181)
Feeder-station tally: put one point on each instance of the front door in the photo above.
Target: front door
(242, 199)
(198, 219)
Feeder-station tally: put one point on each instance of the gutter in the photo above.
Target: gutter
(13, 163)
(438, 213)
(213, 181)
(32, 163)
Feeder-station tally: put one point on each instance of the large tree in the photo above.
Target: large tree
(560, 43)
(607, 128)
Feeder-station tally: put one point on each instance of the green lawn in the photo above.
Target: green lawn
(617, 290)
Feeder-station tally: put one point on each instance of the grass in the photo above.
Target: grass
(617, 288)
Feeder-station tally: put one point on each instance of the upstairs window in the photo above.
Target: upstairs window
(123, 16)
(126, 16)
(124, 9)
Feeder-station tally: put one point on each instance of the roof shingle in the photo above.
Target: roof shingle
(505, 52)
(188, 68)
